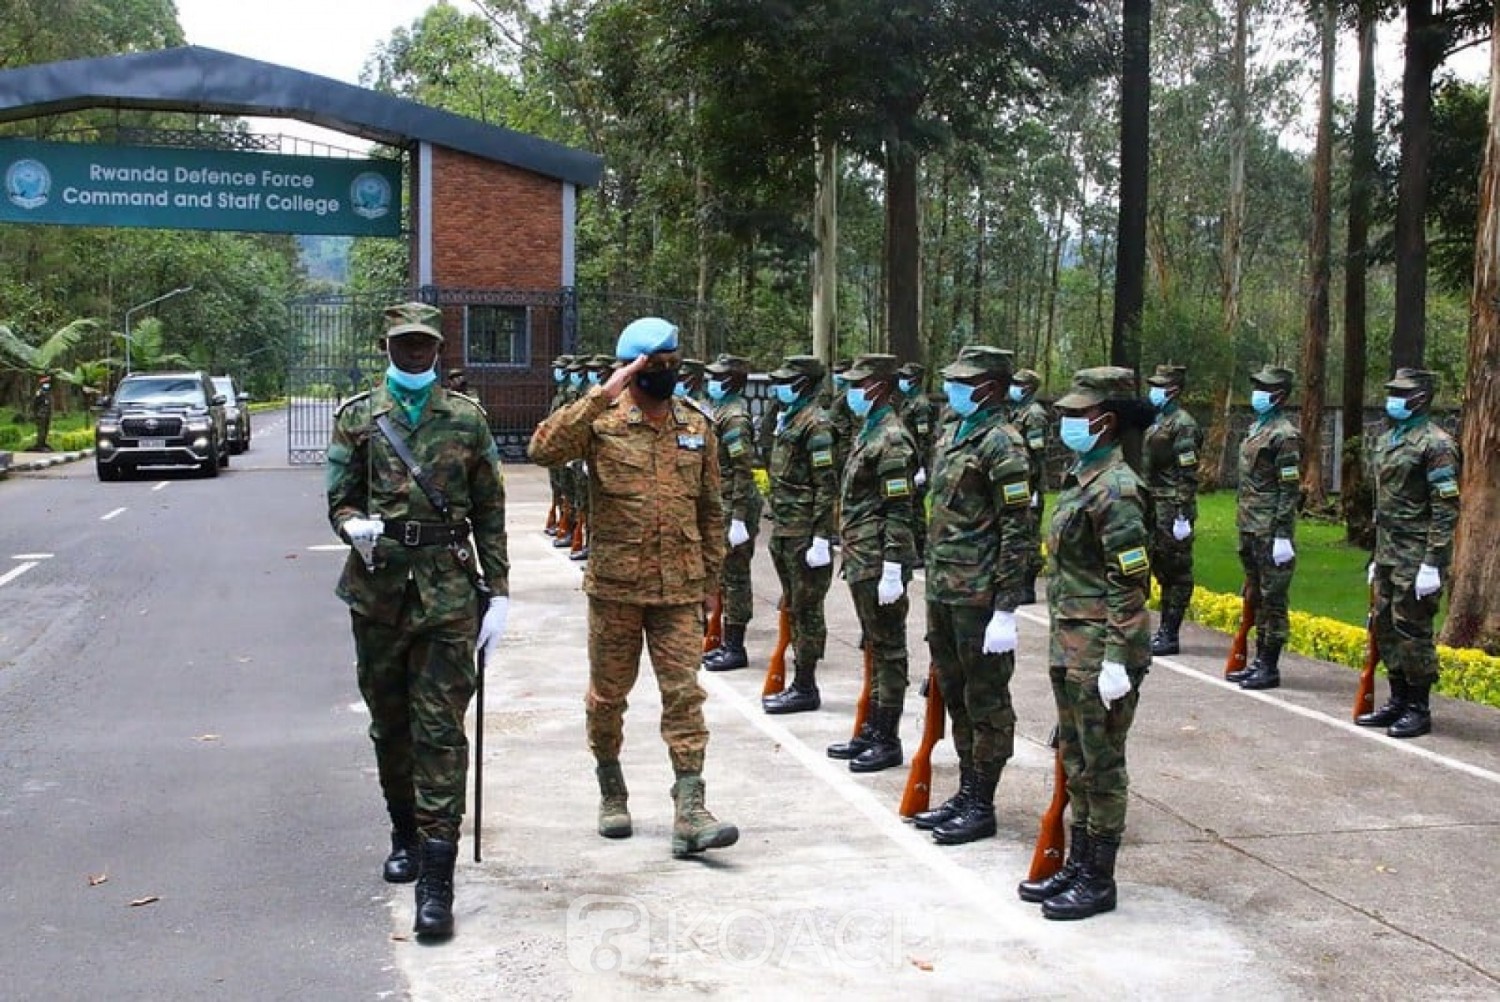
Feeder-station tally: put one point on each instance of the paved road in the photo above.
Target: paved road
(1274, 851)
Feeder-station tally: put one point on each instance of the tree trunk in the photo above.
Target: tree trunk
(903, 251)
(705, 263)
(1315, 330)
(826, 254)
(976, 307)
(1054, 266)
(1135, 163)
(1474, 605)
(1424, 39)
(1354, 495)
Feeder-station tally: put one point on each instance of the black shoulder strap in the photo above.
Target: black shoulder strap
(435, 496)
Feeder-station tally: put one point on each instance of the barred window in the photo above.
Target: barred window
(497, 336)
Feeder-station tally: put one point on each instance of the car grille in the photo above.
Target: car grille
(151, 427)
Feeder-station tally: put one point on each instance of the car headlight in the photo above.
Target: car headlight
(197, 424)
(107, 428)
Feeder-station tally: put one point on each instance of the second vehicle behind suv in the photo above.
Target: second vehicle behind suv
(236, 413)
(161, 419)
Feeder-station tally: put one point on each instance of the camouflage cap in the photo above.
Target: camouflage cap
(1413, 380)
(798, 366)
(980, 360)
(600, 362)
(868, 366)
(841, 366)
(692, 368)
(577, 363)
(1168, 375)
(1026, 377)
(455, 374)
(1273, 377)
(912, 370)
(412, 318)
(562, 361)
(728, 365)
(1092, 387)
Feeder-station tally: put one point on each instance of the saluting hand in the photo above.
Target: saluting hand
(622, 377)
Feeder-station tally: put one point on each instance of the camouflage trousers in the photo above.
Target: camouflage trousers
(1171, 562)
(417, 687)
(674, 637)
(1403, 626)
(558, 477)
(919, 521)
(976, 686)
(1092, 741)
(734, 579)
(1035, 561)
(1270, 585)
(803, 589)
(883, 627)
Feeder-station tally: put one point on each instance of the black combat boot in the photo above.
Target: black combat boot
(614, 798)
(1050, 887)
(1390, 712)
(799, 697)
(861, 741)
(1264, 673)
(884, 751)
(1251, 667)
(731, 653)
(1094, 890)
(401, 865)
(1416, 718)
(435, 889)
(1164, 640)
(928, 820)
(977, 819)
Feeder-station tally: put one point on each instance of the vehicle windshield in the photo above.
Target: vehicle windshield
(166, 390)
(224, 385)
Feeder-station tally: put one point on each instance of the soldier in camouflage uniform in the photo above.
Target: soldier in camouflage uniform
(916, 413)
(1030, 418)
(840, 418)
(976, 569)
(691, 379)
(1101, 645)
(658, 546)
(1270, 490)
(1417, 469)
(1173, 444)
(573, 480)
(413, 601)
(557, 478)
(804, 484)
(596, 369)
(735, 432)
(878, 552)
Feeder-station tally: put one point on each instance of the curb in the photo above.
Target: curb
(52, 459)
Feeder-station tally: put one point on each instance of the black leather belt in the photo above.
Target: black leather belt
(413, 533)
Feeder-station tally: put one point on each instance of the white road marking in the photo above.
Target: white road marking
(1374, 734)
(110, 515)
(328, 547)
(15, 572)
(32, 556)
(161, 485)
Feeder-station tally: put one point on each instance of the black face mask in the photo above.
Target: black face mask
(657, 383)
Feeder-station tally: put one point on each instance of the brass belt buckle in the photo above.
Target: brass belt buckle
(411, 534)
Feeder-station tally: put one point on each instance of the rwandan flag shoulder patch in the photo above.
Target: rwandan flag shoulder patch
(1016, 494)
(897, 487)
(1289, 475)
(736, 446)
(1188, 458)
(1133, 561)
(822, 458)
(1446, 489)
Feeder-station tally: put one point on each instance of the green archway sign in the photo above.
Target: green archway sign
(197, 189)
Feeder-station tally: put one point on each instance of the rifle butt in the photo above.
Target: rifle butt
(1239, 650)
(776, 671)
(713, 632)
(1051, 837)
(551, 526)
(917, 796)
(862, 707)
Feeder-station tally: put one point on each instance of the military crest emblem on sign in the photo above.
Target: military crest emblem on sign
(370, 195)
(28, 183)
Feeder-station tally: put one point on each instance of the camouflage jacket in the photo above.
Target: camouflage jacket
(656, 519)
(977, 539)
(452, 441)
(1270, 478)
(876, 498)
(804, 480)
(736, 434)
(844, 424)
(1416, 497)
(765, 432)
(1101, 575)
(1173, 444)
(561, 397)
(916, 414)
(1030, 419)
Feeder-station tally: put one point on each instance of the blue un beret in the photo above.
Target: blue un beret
(646, 336)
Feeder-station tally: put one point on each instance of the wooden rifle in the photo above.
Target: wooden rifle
(1051, 838)
(915, 798)
(551, 527)
(1238, 651)
(713, 631)
(862, 706)
(776, 671)
(1364, 698)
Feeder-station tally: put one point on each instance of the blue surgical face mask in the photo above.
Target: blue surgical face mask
(858, 402)
(786, 393)
(1158, 397)
(1017, 394)
(1396, 409)
(593, 378)
(410, 380)
(840, 384)
(906, 385)
(680, 390)
(575, 379)
(960, 398)
(557, 375)
(1075, 434)
(717, 390)
(1260, 401)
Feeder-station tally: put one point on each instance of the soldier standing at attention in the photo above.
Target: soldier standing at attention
(735, 432)
(1030, 418)
(690, 380)
(1173, 443)
(879, 552)
(916, 413)
(557, 477)
(976, 569)
(1101, 632)
(413, 601)
(1416, 509)
(574, 480)
(840, 417)
(1270, 490)
(659, 543)
(804, 485)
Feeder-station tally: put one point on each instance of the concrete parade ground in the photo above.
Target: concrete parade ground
(1273, 849)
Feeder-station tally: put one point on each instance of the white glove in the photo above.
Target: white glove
(363, 530)
(584, 468)
(1000, 633)
(890, 587)
(817, 554)
(1181, 528)
(1370, 573)
(1281, 551)
(920, 478)
(1113, 682)
(738, 534)
(1036, 499)
(493, 626)
(1428, 580)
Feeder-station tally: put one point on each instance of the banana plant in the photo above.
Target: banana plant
(45, 359)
